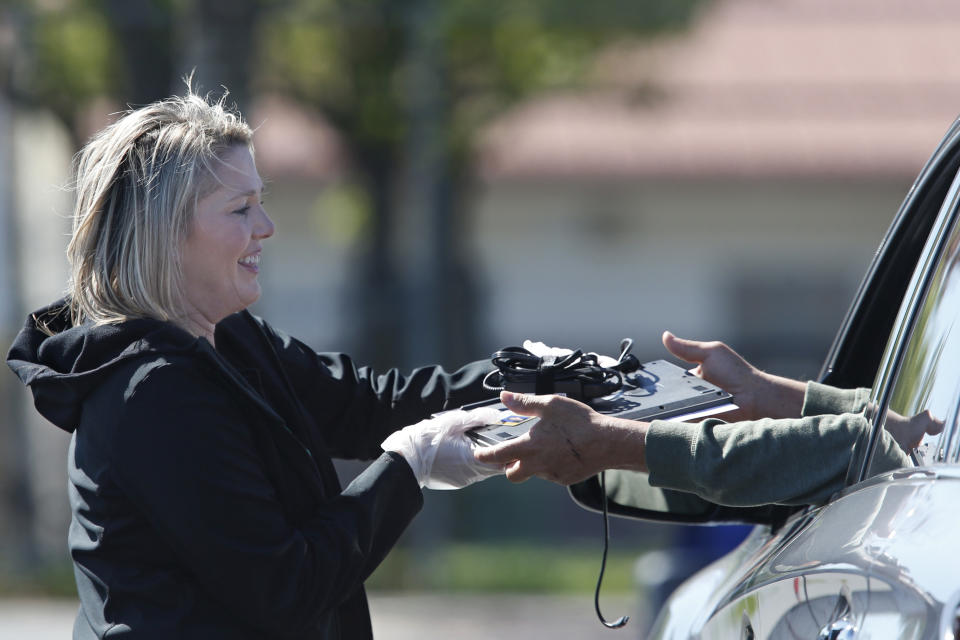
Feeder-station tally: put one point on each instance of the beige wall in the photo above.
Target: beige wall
(757, 263)
(588, 263)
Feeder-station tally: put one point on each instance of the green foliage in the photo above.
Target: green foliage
(50, 581)
(355, 60)
(343, 58)
(351, 59)
(341, 214)
(75, 58)
(505, 568)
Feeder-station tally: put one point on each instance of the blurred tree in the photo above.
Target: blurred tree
(17, 508)
(408, 85)
(219, 42)
(143, 32)
(65, 57)
(130, 52)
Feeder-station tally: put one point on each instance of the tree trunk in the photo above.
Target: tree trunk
(145, 33)
(17, 506)
(219, 41)
(375, 300)
(459, 292)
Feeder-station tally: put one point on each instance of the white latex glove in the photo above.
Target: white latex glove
(539, 349)
(439, 451)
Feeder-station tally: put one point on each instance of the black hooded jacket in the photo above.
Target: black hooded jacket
(205, 502)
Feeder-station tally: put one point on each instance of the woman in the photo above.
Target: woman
(204, 500)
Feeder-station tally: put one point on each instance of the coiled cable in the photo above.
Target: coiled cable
(577, 374)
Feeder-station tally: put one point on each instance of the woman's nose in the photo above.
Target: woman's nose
(265, 226)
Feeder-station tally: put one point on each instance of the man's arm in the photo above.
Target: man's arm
(767, 461)
(569, 443)
(758, 394)
(783, 460)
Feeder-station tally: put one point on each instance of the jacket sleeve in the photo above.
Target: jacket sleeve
(186, 454)
(821, 399)
(786, 461)
(358, 408)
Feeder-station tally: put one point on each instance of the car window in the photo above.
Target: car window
(925, 386)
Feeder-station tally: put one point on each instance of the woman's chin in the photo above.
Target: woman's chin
(251, 298)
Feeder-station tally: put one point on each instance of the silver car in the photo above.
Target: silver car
(880, 559)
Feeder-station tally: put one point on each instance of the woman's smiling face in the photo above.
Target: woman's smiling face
(221, 254)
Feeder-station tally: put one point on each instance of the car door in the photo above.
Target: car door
(877, 561)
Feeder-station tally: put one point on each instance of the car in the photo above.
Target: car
(879, 559)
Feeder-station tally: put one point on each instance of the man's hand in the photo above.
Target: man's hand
(758, 394)
(570, 443)
(909, 432)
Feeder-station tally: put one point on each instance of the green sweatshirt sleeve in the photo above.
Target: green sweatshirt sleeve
(821, 399)
(786, 461)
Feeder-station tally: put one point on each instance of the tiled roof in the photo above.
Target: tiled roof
(755, 88)
(292, 142)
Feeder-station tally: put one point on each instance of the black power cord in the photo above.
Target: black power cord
(578, 375)
(622, 620)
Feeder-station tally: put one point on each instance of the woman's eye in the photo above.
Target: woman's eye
(243, 210)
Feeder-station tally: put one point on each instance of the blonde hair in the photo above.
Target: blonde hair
(137, 185)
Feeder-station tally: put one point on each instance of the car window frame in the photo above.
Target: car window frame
(905, 324)
(856, 353)
(925, 381)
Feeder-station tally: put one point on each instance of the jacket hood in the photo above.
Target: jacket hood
(62, 363)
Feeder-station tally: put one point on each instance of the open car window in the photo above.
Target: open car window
(924, 392)
(916, 391)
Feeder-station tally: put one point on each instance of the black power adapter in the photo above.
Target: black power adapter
(577, 375)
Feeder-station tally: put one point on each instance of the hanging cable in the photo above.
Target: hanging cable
(622, 620)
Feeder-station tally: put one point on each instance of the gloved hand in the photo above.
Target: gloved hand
(539, 349)
(439, 451)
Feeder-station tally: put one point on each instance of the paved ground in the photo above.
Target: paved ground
(403, 617)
